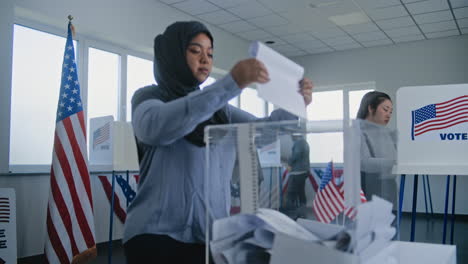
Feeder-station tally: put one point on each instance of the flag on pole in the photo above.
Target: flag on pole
(70, 222)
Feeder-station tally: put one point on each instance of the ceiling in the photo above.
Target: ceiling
(304, 27)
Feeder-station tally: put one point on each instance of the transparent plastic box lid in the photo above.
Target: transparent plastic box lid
(271, 165)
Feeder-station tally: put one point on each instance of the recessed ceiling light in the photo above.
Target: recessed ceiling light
(349, 19)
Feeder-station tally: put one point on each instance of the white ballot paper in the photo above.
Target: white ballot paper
(282, 89)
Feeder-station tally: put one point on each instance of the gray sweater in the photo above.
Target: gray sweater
(378, 155)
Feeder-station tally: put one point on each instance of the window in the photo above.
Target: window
(139, 74)
(326, 146)
(250, 102)
(103, 83)
(37, 69)
(329, 105)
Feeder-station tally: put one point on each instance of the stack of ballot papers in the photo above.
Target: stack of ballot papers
(249, 238)
(373, 231)
(246, 238)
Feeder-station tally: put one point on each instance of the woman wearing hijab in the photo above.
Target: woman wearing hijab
(166, 220)
(378, 146)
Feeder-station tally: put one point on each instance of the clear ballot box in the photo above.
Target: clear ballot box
(292, 191)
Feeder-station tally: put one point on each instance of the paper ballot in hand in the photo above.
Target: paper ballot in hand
(282, 89)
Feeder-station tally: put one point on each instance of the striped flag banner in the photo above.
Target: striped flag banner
(124, 192)
(439, 116)
(70, 221)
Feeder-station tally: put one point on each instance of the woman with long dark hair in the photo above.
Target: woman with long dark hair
(378, 146)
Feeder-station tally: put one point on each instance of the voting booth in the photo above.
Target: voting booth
(112, 148)
(432, 123)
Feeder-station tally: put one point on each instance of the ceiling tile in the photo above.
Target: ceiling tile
(380, 42)
(439, 26)
(461, 12)
(301, 37)
(228, 3)
(370, 36)
(218, 17)
(294, 53)
(387, 12)
(462, 22)
(372, 4)
(195, 7)
(427, 6)
(433, 17)
(310, 44)
(269, 20)
(250, 9)
(169, 2)
(399, 32)
(238, 26)
(339, 40)
(286, 48)
(319, 50)
(347, 46)
(408, 38)
(442, 34)
(395, 22)
(464, 30)
(360, 28)
(254, 34)
(328, 33)
(285, 30)
(410, 1)
(459, 3)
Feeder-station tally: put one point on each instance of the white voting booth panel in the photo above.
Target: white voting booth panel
(432, 123)
(112, 144)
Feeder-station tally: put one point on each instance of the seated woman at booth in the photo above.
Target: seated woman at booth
(378, 147)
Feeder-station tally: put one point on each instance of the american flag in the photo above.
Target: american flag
(70, 224)
(124, 192)
(328, 202)
(101, 135)
(329, 199)
(440, 116)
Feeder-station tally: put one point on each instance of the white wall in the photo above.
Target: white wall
(431, 62)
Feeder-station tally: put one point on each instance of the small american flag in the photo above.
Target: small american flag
(329, 200)
(70, 222)
(101, 135)
(439, 116)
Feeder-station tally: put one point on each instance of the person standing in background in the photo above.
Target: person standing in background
(378, 146)
(298, 167)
